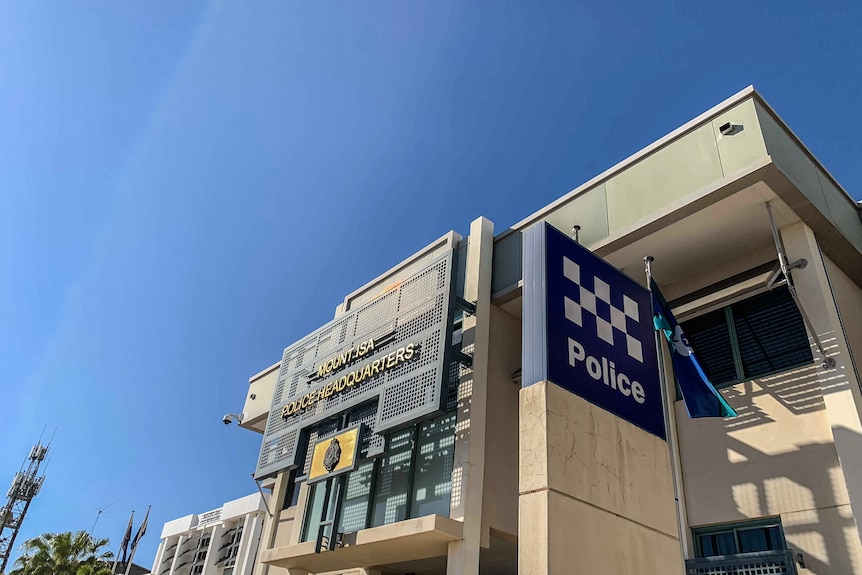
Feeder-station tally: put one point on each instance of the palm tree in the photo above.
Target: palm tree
(64, 554)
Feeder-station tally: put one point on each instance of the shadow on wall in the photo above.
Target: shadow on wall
(799, 391)
(778, 458)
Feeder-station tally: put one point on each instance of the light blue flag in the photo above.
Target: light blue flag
(700, 396)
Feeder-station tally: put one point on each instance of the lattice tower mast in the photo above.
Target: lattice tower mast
(25, 486)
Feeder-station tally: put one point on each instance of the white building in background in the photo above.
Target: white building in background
(223, 541)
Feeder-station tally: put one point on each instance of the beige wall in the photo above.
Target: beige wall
(779, 457)
(258, 400)
(848, 298)
(282, 536)
(595, 491)
(500, 497)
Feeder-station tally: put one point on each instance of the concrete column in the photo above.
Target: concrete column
(299, 514)
(159, 554)
(840, 386)
(248, 548)
(209, 563)
(596, 492)
(174, 563)
(279, 490)
(468, 472)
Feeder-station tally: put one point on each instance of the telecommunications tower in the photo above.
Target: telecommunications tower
(25, 486)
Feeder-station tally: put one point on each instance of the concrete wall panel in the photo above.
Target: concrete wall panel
(506, 272)
(604, 544)
(588, 210)
(686, 165)
(500, 507)
(746, 146)
(792, 160)
(848, 297)
(777, 457)
(842, 211)
(827, 540)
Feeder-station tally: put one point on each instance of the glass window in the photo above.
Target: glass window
(316, 496)
(354, 512)
(759, 539)
(393, 480)
(739, 538)
(718, 544)
(432, 482)
(758, 336)
(291, 498)
(412, 479)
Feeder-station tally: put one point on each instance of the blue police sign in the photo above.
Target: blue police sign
(588, 328)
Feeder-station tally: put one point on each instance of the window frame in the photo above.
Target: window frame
(730, 324)
(415, 434)
(735, 527)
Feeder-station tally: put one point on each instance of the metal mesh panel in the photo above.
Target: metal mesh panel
(762, 563)
(369, 317)
(369, 442)
(454, 382)
(416, 311)
(279, 450)
(399, 402)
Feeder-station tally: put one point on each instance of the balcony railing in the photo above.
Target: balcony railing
(761, 563)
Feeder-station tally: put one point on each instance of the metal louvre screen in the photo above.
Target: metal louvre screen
(394, 348)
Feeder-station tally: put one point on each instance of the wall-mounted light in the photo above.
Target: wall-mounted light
(729, 129)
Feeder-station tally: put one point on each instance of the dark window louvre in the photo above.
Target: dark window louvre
(771, 333)
(709, 336)
(758, 336)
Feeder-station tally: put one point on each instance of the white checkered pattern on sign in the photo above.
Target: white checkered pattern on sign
(605, 327)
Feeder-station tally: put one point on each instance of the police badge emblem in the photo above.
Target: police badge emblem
(332, 455)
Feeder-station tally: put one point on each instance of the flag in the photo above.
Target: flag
(141, 531)
(124, 546)
(700, 396)
(138, 536)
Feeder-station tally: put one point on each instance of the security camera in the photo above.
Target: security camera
(228, 417)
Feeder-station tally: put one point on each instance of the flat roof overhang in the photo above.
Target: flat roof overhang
(723, 222)
(418, 538)
(713, 226)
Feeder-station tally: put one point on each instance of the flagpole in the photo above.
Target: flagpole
(670, 428)
(141, 530)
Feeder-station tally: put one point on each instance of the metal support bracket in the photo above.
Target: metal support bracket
(265, 502)
(467, 307)
(776, 273)
(784, 267)
(462, 358)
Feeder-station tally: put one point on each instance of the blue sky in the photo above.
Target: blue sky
(188, 187)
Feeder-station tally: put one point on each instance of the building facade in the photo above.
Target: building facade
(222, 541)
(464, 464)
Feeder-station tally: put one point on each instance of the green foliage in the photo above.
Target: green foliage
(64, 554)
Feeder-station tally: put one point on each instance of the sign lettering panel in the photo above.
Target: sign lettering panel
(593, 329)
(392, 351)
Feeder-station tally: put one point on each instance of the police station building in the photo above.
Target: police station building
(493, 404)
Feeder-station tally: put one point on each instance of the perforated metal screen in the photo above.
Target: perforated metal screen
(416, 311)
